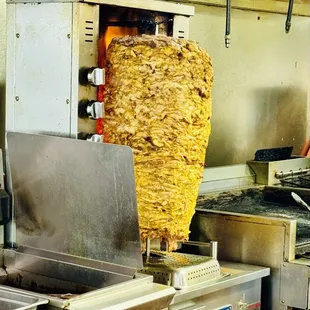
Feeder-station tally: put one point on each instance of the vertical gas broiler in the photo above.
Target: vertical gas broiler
(54, 90)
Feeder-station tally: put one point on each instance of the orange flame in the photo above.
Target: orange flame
(103, 44)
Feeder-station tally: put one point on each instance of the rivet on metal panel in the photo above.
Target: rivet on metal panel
(284, 265)
(17, 35)
(17, 98)
(67, 101)
(68, 35)
(283, 301)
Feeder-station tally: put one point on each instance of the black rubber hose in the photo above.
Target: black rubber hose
(289, 16)
(227, 30)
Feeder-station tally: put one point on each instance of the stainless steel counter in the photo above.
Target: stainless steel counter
(93, 288)
(139, 293)
(240, 273)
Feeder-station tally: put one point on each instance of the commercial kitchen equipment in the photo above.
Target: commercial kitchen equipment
(74, 226)
(250, 211)
(72, 237)
(76, 236)
(65, 79)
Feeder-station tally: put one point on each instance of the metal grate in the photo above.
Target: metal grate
(180, 270)
(302, 181)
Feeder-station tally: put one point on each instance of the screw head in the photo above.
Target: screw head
(68, 35)
(284, 265)
(17, 35)
(17, 98)
(67, 101)
(282, 301)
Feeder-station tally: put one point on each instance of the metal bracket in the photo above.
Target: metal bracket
(212, 246)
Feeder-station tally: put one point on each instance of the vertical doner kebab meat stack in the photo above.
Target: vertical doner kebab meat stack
(158, 102)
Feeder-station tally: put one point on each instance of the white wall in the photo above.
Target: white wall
(2, 66)
(262, 82)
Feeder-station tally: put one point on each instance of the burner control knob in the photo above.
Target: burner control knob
(95, 110)
(91, 109)
(95, 76)
(94, 138)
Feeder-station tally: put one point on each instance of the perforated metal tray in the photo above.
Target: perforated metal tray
(180, 270)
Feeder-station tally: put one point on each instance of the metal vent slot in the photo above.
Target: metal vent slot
(181, 34)
(89, 31)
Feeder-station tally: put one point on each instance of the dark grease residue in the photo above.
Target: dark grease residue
(251, 201)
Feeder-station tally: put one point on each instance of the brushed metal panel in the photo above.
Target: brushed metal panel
(294, 290)
(226, 177)
(249, 239)
(10, 67)
(150, 5)
(75, 197)
(84, 55)
(42, 69)
(239, 274)
(235, 296)
(181, 27)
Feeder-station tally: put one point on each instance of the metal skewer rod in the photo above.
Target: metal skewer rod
(227, 29)
(289, 16)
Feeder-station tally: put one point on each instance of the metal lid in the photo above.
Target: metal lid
(75, 197)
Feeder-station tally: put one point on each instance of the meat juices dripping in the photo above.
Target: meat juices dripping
(158, 102)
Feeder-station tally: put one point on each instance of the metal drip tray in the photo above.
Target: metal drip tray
(180, 270)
